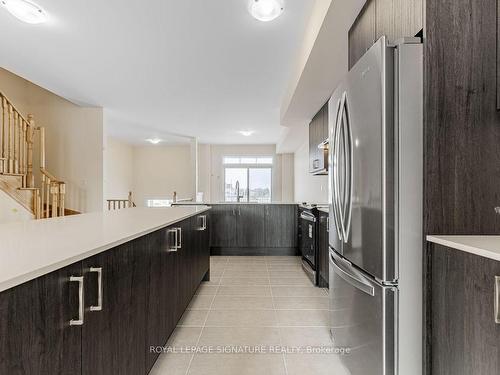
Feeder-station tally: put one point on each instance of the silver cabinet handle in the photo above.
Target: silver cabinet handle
(98, 270)
(204, 220)
(497, 299)
(179, 244)
(79, 321)
(239, 211)
(328, 224)
(172, 248)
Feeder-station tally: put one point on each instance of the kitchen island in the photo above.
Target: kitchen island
(99, 290)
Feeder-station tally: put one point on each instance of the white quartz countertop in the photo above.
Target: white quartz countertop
(485, 246)
(37, 247)
(231, 203)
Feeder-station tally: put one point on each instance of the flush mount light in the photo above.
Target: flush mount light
(246, 133)
(266, 10)
(154, 141)
(25, 11)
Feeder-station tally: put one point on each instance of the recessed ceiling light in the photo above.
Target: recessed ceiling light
(266, 10)
(154, 141)
(25, 11)
(246, 133)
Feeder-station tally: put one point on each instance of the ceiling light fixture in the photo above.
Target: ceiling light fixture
(154, 141)
(266, 10)
(25, 11)
(246, 133)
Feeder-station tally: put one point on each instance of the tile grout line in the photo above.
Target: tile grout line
(204, 323)
(277, 323)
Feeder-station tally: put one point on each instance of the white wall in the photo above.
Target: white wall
(74, 140)
(161, 170)
(118, 169)
(308, 188)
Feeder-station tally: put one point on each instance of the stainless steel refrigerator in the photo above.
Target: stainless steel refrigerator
(375, 184)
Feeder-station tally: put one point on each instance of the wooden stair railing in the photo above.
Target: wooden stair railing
(17, 136)
(116, 204)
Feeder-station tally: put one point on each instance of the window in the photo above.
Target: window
(159, 202)
(252, 174)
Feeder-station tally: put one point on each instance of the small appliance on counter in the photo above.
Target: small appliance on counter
(309, 244)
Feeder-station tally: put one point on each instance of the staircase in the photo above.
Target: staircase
(17, 135)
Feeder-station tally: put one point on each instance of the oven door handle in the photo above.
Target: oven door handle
(307, 217)
(351, 275)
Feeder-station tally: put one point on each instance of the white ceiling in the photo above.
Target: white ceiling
(201, 68)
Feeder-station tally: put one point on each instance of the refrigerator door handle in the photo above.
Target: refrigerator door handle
(349, 166)
(335, 159)
(336, 182)
(351, 276)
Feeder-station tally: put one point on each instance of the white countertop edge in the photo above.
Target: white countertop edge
(33, 274)
(484, 246)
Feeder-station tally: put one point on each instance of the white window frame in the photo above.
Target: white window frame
(247, 167)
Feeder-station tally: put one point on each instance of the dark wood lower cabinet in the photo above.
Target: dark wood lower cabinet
(113, 335)
(465, 337)
(134, 295)
(323, 263)
(35, 335)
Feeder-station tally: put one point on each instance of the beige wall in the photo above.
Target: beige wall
(161, 170)
(308, 188)
(118, 169)
(74, 139)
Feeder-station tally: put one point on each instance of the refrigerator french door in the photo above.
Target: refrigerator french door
(375, 236)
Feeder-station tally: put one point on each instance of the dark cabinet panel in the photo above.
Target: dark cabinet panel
(162, 291)
(250, 225)
(318, 133)
(35, 335)
(398, 18)
(323, 248)
(223, 225)
(114, 338)
(466, 339)
(362, 33)
(280, 225)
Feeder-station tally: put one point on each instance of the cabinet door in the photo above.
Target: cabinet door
(281, 225)
(323, 250)
(465, 337)
(250, 225)
(362, 33)
(114, 338)
(35, 335)
(398, 18)
(202, 248)
(223, 230)
(162, 291)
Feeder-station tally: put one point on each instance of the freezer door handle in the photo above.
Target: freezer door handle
(351, 275)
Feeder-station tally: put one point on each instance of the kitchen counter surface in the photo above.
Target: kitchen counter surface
(214, 203)
(37, 247)
(485, 246)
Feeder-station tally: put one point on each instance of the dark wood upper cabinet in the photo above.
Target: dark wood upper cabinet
(35, 335)
(398, 18)
(318, 134)
(392, 18)
(362, 33)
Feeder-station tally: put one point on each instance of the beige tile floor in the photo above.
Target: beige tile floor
(252, 302)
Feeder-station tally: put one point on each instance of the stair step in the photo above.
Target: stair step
(23, 188)
(13, 174)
